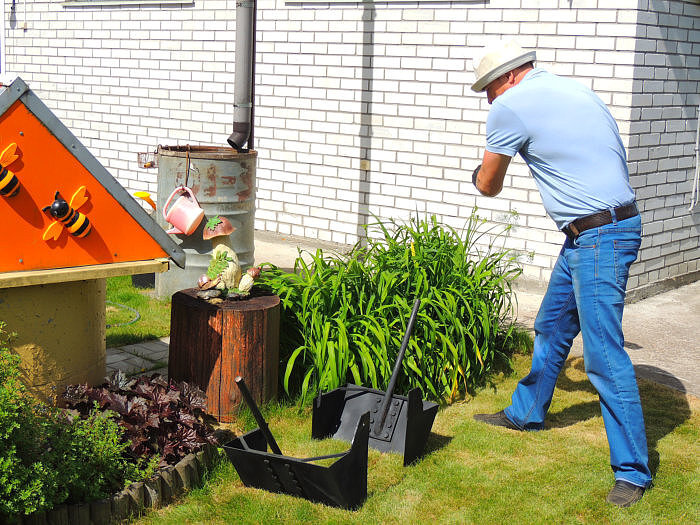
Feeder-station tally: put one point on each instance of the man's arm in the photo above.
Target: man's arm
(489, 179)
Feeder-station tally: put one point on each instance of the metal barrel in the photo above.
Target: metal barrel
(223, 182)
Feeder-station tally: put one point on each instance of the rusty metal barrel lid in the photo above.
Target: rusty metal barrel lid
(205, 152)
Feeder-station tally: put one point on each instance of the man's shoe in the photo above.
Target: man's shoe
(498, 419)
(624, 494)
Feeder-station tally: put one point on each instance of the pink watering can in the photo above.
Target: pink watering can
(185, 215)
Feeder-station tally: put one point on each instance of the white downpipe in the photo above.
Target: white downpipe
(695, 192)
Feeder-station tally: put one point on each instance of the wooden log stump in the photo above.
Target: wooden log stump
(211, 344)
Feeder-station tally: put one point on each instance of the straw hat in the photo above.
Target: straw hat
(496, 60)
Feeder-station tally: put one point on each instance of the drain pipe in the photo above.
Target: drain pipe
(695, 192)
(243, 83)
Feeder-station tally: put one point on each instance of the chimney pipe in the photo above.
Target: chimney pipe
(243, 83)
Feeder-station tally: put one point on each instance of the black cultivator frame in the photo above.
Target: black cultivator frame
(342, 484)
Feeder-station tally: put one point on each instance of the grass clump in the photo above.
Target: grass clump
(344, 316)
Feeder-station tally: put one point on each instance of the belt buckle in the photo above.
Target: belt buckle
(571, 231)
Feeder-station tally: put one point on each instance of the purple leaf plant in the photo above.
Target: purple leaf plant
(160, 418)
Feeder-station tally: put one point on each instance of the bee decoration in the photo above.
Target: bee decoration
(67, 216)
(9, 183)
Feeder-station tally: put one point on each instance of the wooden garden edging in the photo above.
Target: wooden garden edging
(170, 483)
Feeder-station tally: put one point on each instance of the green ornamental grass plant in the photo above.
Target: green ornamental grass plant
(344, 316)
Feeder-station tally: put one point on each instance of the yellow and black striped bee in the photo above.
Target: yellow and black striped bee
(9, 183)
(68, 216)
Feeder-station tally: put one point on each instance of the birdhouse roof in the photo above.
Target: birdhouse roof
(51, 159)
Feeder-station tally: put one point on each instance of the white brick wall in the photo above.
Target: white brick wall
(365, 108)
(663, 126)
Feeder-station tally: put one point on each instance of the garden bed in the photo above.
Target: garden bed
(60, 465)
(166, 486)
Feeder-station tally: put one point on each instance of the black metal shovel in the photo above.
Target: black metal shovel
(342, 484)
(399, 423)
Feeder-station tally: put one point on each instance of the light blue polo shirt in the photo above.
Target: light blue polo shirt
(568, 139)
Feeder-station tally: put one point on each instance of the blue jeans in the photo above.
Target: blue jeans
(586, 293)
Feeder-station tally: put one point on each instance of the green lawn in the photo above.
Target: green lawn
(479, 474)
(133, 314)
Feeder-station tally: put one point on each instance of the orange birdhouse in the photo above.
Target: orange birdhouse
(59, 206)
(67, 225)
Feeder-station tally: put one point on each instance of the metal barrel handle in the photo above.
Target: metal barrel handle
(257, 415)
(384, 409)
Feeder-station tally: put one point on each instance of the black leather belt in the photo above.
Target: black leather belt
(601, 218)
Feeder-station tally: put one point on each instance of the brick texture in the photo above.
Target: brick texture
(366, 109)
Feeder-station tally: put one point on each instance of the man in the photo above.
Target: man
(570, 142)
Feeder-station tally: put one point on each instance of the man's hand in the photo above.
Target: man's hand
(488, 177)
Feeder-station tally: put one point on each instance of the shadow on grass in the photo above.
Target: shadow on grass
(435, 442)
(117, 338)
(665, 406)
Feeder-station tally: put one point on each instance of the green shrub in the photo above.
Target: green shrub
(344, 316)
(48, 457)
(21, 469)
(89, 457)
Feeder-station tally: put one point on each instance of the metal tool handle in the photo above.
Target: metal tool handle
(257, 415)
(384, 409)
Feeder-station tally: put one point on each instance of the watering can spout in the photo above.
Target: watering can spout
(145, 196)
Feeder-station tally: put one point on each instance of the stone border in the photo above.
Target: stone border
(158, 491)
